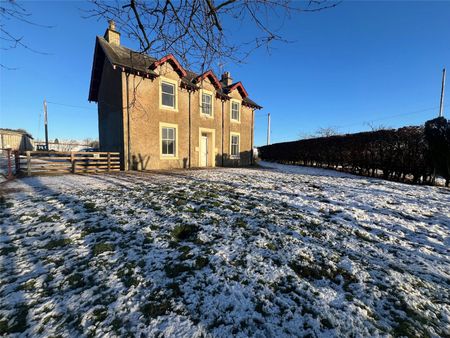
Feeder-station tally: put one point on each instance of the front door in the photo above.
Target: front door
(204, 151)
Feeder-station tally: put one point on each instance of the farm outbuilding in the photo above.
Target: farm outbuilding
(16, 139)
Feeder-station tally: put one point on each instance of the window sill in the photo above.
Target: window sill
(168, 157)
(207, 116)
(168, 108)
(235, 121)
(235, 157)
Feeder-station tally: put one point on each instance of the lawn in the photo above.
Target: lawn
(224, 252)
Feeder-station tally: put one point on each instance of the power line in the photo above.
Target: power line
(70, 105)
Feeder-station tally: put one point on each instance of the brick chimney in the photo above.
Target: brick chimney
(226, 79)
(111, 35)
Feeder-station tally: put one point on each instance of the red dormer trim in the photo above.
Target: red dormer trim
(211, 76)
(170, 58)
(240, 87)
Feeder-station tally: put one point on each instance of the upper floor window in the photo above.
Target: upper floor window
(235, 111)
(168, 94)
(234, 145)
(207, 104)
(169, 141)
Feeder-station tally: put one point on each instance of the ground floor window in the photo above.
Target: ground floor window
(169, 141)
(234, 145)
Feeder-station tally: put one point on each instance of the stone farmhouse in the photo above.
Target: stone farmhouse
(159, 115)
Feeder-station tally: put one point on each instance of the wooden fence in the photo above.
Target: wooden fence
(52, 162)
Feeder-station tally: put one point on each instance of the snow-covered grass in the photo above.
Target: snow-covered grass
(278, 252)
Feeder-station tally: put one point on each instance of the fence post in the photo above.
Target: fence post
(72, 162)
(109, 161)
(17, 161)
(28, 163)
(9, 154)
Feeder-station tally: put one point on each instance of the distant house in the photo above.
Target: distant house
(16, 139)
(159, 115)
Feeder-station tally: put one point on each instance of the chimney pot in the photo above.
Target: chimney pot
(112, 25)
(226, 79)
(111, 35)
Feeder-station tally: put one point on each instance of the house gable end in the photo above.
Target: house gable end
(239, 87)
(96, 72)
(173, 62)
(211, 77)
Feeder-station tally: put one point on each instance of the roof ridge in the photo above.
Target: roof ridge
(122, 56)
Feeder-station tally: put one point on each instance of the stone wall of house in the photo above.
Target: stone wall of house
(146, 115)
(110, 111)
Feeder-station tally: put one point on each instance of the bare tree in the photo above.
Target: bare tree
(375, 127)
(195, 31)
(326, 132)
(13, 13)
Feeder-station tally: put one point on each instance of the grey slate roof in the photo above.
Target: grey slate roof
(137, 62)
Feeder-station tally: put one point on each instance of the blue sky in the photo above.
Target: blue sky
(356, 63)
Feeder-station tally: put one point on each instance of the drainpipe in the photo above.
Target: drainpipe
(222, 129)
(251, 137)
(189, 159)
(128, 125)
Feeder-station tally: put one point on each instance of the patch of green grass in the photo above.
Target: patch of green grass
(3, 326)
(240, 223)
(116, 324)
(190, 209)
(175, 288)
(7, 250)
(90, 206)
(4, 203)
(404, 329)
(101, 248)
(27, 286)
(271, 246)
(155, 207)
(100, 314)
(174, 270)
(148, 239)
(19, 323)
(126, 275)
(76, 280)
(259, 307)
(201, 262)
(326, 323)
(56, 243)
(180, 202)
(364, 237)
(183, 232)
(185, 252)
(91, 230)
(49, 219)
(155, 309)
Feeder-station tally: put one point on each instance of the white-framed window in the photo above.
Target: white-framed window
(235, 110)
(207, 106)
(168, 141)
(168, 94)
(234, 145)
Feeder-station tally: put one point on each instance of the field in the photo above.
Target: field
(286, 251)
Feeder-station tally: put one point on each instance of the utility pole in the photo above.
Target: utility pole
(46, 126)
(441, 107)
(268, 128)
